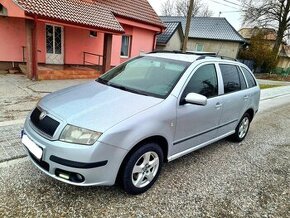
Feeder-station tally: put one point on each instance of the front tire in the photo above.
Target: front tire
(242, 128)
(142, 169)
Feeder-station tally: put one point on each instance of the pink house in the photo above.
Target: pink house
(49, 33)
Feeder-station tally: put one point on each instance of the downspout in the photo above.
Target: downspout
(34, 49)
(155, 39)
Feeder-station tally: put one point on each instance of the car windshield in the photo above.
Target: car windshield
(152, 76)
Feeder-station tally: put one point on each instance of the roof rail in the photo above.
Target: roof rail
(180, 52)
(203, 55)
(217, 56)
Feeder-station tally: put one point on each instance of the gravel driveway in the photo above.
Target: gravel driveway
(250, 179)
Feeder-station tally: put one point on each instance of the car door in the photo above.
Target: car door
(234, 99)
(197, 124)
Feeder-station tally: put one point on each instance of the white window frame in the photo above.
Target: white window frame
(129, 46)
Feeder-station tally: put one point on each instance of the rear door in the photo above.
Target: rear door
(197, 124)
(235, 98)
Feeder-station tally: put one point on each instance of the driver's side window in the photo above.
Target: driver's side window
(204, 81)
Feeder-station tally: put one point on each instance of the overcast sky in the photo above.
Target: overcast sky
(229, 8)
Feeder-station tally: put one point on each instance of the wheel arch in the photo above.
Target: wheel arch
(160, 140)
(251, 112)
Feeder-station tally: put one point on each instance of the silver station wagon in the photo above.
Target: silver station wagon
(147, 111)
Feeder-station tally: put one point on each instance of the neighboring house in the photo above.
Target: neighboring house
(171, 39)
(269, 33)
(208, 34)
(284, 57)
(75, 32)
(270, 36)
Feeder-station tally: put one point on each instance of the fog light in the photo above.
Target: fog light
(71, 176)
(64, 176)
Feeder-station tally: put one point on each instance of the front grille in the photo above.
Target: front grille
(40, 163)
(46, 125)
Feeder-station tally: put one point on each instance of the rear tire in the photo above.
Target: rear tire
(142, 169)
(242, 128)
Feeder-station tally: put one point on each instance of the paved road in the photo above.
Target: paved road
(250, 179)
(18, 94)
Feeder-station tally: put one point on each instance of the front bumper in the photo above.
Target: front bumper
(97, 164)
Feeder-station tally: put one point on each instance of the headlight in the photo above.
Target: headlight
(79, 135)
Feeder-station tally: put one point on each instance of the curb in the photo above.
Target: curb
(275, 96)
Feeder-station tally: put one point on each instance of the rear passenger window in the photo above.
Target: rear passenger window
(204, 81)
(242, 79)
(250, 79)
(231, 78)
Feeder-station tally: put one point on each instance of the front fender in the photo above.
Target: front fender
(159, 120)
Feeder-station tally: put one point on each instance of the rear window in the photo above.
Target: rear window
(250, 79)
(231, 78)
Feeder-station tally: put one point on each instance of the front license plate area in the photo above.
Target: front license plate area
(32, 147)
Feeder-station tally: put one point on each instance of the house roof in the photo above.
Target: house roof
(139, 10)
(171, 28)
(269, 33)
(215, 28)
(95, 13)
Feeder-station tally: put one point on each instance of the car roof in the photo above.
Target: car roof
(190, 56)
(175, 56)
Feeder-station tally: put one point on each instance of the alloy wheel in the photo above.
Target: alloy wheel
(145, 169)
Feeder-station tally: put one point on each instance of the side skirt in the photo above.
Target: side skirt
(180, 154)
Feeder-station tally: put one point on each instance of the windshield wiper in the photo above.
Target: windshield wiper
(124, 88)
(103, 81)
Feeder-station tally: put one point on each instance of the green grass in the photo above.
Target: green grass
(266, 86)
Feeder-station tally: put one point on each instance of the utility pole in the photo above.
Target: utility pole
(188, 20)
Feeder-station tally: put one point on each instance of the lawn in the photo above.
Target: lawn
(274, 77)
(267, 86)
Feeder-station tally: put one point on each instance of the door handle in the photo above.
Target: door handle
(246, 97)
(218, 106)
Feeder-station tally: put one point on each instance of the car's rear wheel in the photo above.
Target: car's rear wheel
(142, 169)
(242, 128)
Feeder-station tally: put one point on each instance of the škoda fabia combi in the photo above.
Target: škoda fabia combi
(147, 111)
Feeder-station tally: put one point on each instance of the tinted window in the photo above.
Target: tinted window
(204, 82)
(251, 81)
(242, 79)
(231, 78)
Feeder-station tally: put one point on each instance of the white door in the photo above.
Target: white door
(54, 44)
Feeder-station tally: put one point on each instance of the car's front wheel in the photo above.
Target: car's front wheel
(142, 168)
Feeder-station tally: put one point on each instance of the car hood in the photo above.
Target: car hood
(95, 106)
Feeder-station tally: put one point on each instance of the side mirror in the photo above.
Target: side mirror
(194, 98)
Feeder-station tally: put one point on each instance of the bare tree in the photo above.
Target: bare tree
(269, 13)
(168, 8)
(180, 8)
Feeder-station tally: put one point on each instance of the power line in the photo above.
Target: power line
(224, 12)
(224, 4)
(232, 3)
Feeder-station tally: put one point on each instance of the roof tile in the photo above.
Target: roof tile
(95, 13)
(139, 10)
(208, 28)
(168, 33)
